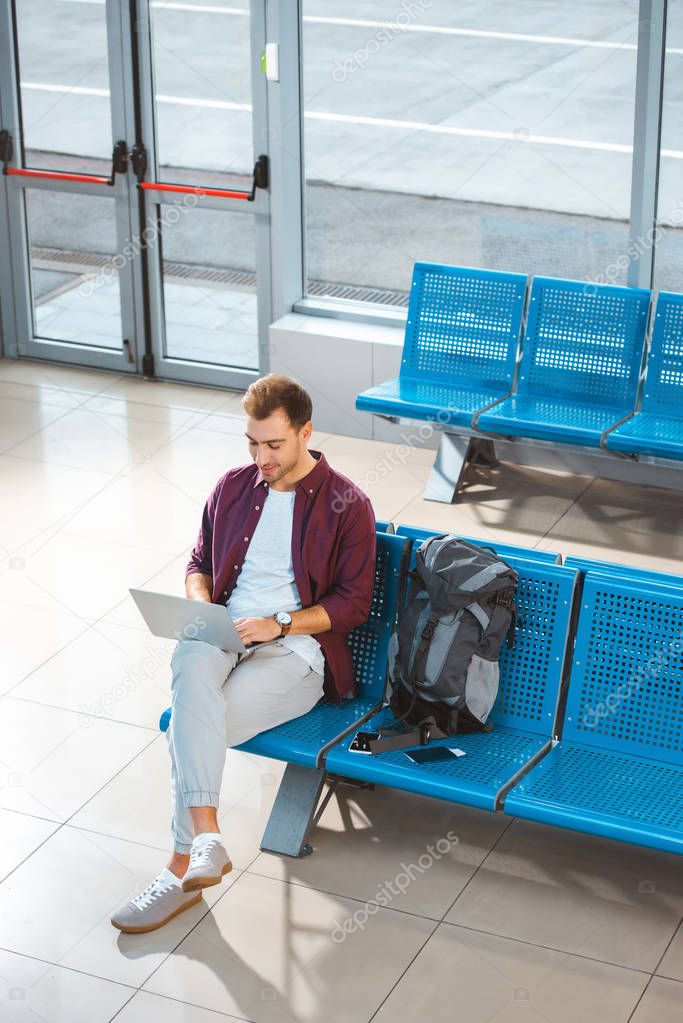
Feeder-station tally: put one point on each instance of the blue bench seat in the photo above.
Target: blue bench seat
(581, 356)
(618, 768)
(460, 345)
(527, 415)
(657, 427)
(300, 740)
(523, 715)
(586, 565)
(491, 761)
(450, 405)
(504, 550)
(615, 795)
(649, 434)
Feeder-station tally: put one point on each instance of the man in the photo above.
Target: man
(288, 545)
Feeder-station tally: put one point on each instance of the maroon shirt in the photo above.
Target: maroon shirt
(333, 552)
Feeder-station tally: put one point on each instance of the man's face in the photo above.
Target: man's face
(275, 445)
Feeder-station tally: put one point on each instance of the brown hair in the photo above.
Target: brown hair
(274, 391)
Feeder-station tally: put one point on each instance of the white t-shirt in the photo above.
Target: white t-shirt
(266, 583)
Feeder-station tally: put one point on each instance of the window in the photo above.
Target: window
(669, 234)
(496, 136)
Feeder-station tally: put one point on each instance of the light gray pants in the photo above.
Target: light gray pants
(222, 699)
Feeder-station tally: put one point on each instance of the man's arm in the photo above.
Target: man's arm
(199, 571)
(349, 601)
(308, 620)
(199, 586)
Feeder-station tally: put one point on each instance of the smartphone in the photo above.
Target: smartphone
(361, 742)
(430, 754)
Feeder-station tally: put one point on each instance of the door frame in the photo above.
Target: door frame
(258, 206)
(18, 324)
(140, 277)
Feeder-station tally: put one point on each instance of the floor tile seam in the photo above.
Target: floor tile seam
(79, 713)
(479, 866)
(70, 969)
(568, 954)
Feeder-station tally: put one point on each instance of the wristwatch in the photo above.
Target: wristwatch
(284, 620)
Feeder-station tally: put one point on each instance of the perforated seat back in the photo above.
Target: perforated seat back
(584, 342)
(593, 565)
(531, 671)
(369, 642)
(663, 391)
(626, 686)
(503, 549)
(463, 326)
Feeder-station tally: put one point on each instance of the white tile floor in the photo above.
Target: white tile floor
(102, 481)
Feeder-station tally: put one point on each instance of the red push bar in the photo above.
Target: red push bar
(192, 190)
(119, 162)
(24, 172)
(260, 180)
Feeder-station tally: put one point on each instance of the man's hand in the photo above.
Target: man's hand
(257, 630)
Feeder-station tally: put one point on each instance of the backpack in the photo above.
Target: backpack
(443, 656)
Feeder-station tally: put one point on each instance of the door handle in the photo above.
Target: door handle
(119, 160)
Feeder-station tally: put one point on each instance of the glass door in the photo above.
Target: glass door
(134, 150)
(206, 204)
(65, 158)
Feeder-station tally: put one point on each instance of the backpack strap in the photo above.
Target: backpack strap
(420, 735)
(391, 740)
(506, 599)
(420, 659)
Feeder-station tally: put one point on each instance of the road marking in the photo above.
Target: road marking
(396, 27)
(374, 122)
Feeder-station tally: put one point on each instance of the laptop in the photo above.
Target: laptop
(180, 618)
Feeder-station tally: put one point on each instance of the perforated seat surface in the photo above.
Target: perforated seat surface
(523, 715)
(605, 793)
(650, 434)
(491, 760)
(419, 399)
(552, 419)
(299, 741)
(581, 357)
(618, 770)
(584, 342)
(657, 429)
(460, 345)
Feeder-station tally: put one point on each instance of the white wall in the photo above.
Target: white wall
(334, 360)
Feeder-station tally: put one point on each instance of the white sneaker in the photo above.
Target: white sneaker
(160, 902)
(209, 862)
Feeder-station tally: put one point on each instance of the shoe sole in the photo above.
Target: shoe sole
(127, 929)
(205, 882)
